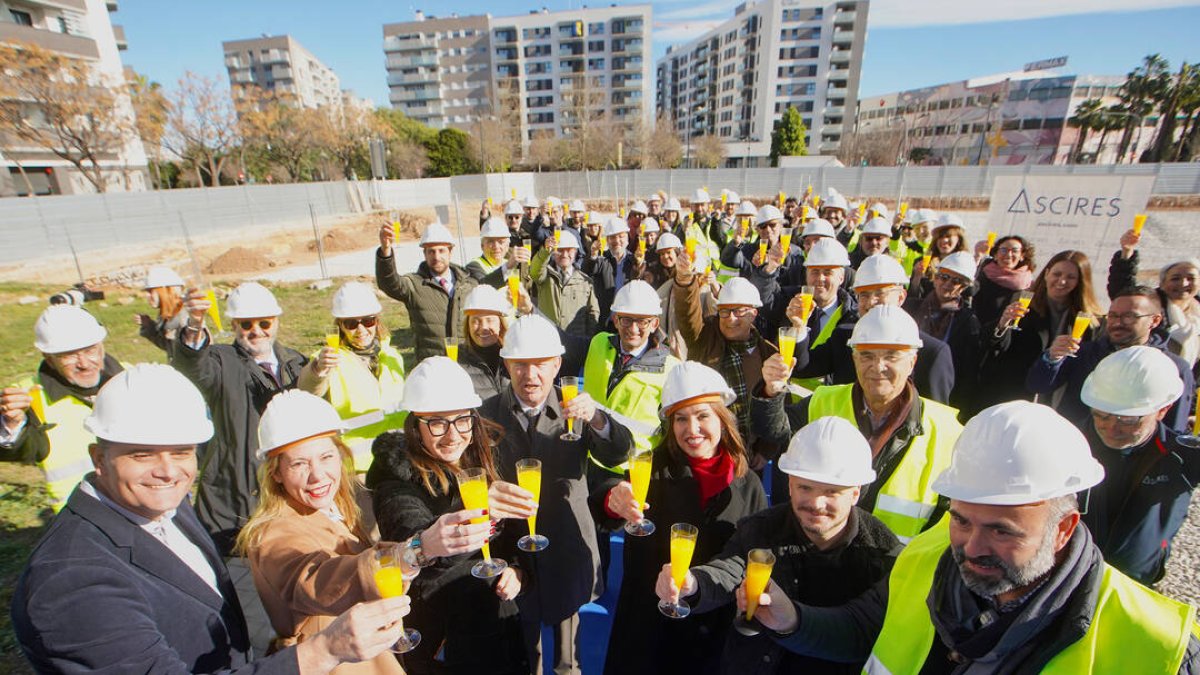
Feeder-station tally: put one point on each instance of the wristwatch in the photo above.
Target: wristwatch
(414, 554)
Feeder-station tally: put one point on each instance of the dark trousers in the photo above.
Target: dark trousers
(258, 624)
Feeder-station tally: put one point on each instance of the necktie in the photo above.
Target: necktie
(269, 369)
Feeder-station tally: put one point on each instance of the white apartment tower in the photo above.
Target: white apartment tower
(737, 79)
(281, 65)
(548, 65)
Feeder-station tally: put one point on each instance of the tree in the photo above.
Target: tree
(62, 106)
(1111, 119)
(1086, 118)
(787, 138)
(878, 146)
(345, 133)
(544, 150)
(592, 137)
(494, 144)
(660, 147)
(709, 151)
(406, 141)
(282, 133)
(449, 153)
(1144, 87)
(150, 115)
(1189, 106)
(201, 125)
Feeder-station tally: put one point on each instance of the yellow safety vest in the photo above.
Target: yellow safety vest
(811, 383)
(488, 266)
(1133, 629)
(354, 390)
(907, 500)
(637, 396)
(68, 460)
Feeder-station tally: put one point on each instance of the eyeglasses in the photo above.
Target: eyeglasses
(1127, 318)
(1119, 420)
(440, 426)
(628, 321)
(93, 353)
(1016, 250)
(950, 279)
(366, 322)
(248, 324)
(739, 312)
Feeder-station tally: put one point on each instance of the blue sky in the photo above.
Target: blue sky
(910, 43)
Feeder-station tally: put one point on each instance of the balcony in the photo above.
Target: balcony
(396, 43)
(281, 72)
(419, 111)
(840, 56)
(828, 148)
(394, 62)
(421, 76)
(845, 17)
(241, 77)
(835, 92)
(835, 111)
(119, 36)
(61, 43)
(843, 36)
(426, 94)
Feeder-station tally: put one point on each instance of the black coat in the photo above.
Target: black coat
(485, 367)
(101, 595)
(604, 275)
(1008, 357)
(567, 573)
(479, 632)
(642, 639)
(237, 391)
(804, 572)
(990, 298)
(964, 337)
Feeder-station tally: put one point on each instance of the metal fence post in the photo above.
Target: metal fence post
(320, 247)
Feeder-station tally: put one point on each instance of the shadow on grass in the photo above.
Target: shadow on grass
(24, 514)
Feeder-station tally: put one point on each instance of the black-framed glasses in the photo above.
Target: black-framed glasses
(365, 321)
(248, 324)
(950, 279)
(739, 312)
(1128, 317)
(440, 426)
(642, 322)
(1119, 420)
(1017, 250)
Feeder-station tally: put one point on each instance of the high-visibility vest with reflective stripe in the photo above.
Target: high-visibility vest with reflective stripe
(68, 460)
(354, 390)
(907, 500)
(907, 256)
(811, 383)
(1133, 629)
(637, 396)
(488, 267)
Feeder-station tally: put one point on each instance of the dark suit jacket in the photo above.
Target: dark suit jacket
(101, 595)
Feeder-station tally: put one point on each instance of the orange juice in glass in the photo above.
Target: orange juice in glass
(639, 479)
(903, 209)
(529, 477)
(785, 241)
(816, 201)
(689, 245)
(37, 402)
(806, 302)
(782, 198)
(862, 210)
(570, 389)
(759, 563)
(787, 345)
(389, 581)
(514, 287)
(1139, 221)
(1082, 321)
(452, 344)
(762, 251)
(214, 310)
(925, 260)
(557, 237)
(1023, 299)
(683, 545)
(991, 241)
(333, 340)
(473, 486)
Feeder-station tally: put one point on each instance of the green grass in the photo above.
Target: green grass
(23, 511)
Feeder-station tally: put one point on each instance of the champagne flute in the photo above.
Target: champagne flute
(214, 314)
(806, 302)
(1139, 221)
(991, 241)
(514, 286)
(452, 344)
(683, 545)
(1082, 321)
(529, 477)
(333, 340)
(37, 403)
(389, 581)
(759, 563)
(639, 480)
(473, 485)
(570, 389)
(1023, 298)
(785, 241)
(787, 346)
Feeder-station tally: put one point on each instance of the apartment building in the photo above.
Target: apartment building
(281, 65)
(1010, 118)
(545, 69)
(737, 79)
(76, 29)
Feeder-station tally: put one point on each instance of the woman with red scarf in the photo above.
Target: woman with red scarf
(699, 476)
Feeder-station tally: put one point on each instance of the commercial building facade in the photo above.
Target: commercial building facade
(737, 79)
(281, 65)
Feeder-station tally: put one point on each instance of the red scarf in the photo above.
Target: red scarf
(712, 475)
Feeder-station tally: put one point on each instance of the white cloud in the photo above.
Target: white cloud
(914, 13)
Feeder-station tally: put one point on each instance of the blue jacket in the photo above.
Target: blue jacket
(101, 595)
(1139, 507)
(1044, 377)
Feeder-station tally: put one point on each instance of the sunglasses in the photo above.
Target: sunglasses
(248, 324)
(366, 322)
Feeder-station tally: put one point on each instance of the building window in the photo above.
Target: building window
(21, 18)
(596, 45)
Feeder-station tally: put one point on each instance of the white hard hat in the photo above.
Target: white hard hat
(701, 197)
(639, 207)
(739, 292)
(886, 326)
(654, 197)
(292, 416)
(494, 228)
(878, 226)
(637, 298)
(667, 240)
(835, 201)
(484, 299)
(961, 263)
(437, 233)
(567, 239)
(880, 270)
(513, 208)
(731, 196)
(673, 205)
(746, 208)
(355, 299)
(818, 227)
(768, 213)
(829, 450)
(1132, 381)
(553, 202)
(650, 225)
(161, 277)
(65, 328)
(595, 217)
(1018, 453)
(615, 225)
(532, 337)
(827, 252)
(251, 300)
(691, 380)
(926, 216)
(949, 220)
(530, 202)
(881, 211)
(576, 206)
(150, 404)
(439, 384)
(808, 213)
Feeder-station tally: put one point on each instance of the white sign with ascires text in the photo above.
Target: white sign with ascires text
(1056, 213)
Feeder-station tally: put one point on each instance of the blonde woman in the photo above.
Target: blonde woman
(308, 544)
(164, 292)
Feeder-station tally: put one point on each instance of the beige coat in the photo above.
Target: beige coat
(308, 569)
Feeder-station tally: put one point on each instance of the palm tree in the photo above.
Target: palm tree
(1144, 87)
(1188, 101)
(1112, 118)
(1086, 118)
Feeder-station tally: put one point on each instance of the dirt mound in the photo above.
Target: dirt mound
(346, 239)
(237, 260)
